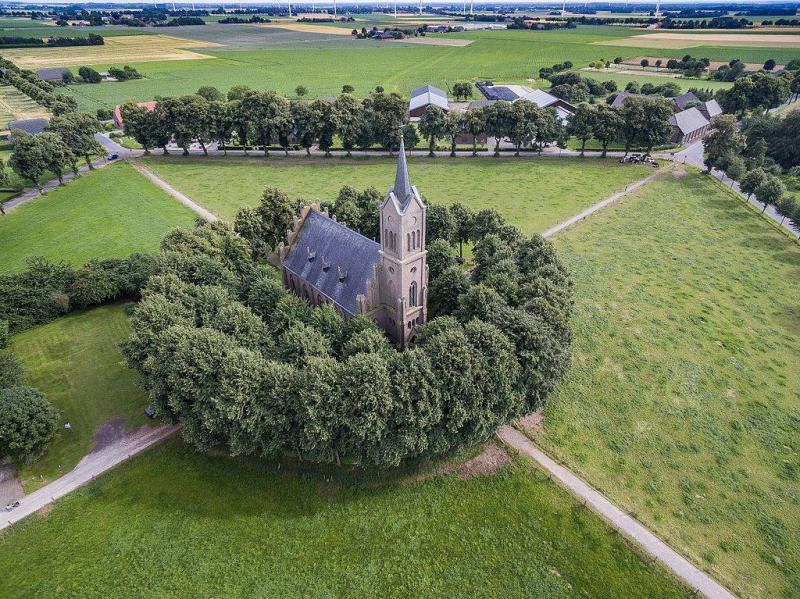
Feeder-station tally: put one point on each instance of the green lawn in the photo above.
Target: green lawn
(534, 194)
(683, 402)
(112, 212)
(173, 523)
(76, 362)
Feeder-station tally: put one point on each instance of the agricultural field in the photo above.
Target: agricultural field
(532, 194)
(76, 362)
(170, 521)
(682, 401)
(110, 213)
(16, 105)
(115, 50)
(323, 66)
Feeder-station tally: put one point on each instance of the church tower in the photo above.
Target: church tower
(404, 272)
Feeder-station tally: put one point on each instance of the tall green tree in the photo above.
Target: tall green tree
(265, 225)
(522, 124)
(29, 157)
(346, 112)
(752, 180)
(581, 125)
(723, 140)
(498, 122)
(770, 191)
(464, 218)
(27, 423)
(432, 126)
(57, 154)
(475, 125)
(267, 114)
(78, 130)
(305, 129)
(607, 125)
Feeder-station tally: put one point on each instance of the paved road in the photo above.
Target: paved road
(627, 525)
(91, 466)
(110, 146)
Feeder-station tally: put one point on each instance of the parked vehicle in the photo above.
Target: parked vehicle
(11, 506)
(113, 156)
(150, 412)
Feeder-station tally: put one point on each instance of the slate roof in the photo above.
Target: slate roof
(540, 97)
(53, 74)
(620, 98)
(323, 250)
(711, 109)
(482, 103)
(34, 126)
(402, 182)
(689, 120)
(684, 99)
(500, 92)
(427, 89)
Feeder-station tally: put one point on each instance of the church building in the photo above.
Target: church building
(325, 262)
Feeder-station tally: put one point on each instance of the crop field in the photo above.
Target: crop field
(693, 40)
(76, 362)
(170, 521)
(110, 213)
(532, 194)
(16, 105)
(270, 58)
(682, 402)
(116, 50)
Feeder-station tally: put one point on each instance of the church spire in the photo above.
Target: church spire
(402, 184)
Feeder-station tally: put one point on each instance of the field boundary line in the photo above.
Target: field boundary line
(182, 198)
(628, 526)
(601, 204)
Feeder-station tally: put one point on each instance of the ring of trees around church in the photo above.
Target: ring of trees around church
(244, 364)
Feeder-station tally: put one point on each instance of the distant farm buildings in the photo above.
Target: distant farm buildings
(514, 93)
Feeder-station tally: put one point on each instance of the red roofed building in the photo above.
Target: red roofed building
(150, 106)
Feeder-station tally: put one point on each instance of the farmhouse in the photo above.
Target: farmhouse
(688, 125)
(514, 93)
(150, 106)
(425, 96)
(325, 262)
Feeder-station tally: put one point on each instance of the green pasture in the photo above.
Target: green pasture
(533, 194)
(110, 213)
(171, 521)
(683, 401)
(76, 362)
(507, 56)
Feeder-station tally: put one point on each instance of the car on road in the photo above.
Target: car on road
(113, 156)
(11, 506)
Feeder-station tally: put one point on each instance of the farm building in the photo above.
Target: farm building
(425, 96)
(683, 101)
(710, 109)
(34, 126)
(325, 262)
(52, 74)
(513, 93)
(150, 106)
(688, 125)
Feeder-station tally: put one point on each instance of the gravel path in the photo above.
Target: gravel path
(91, 466)
(600, 205)
(182, 198)
(625, 524)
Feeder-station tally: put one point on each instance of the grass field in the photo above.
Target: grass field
(170, 522)
(326, 64)
(76, 362)
(112, 212)
(532, 194)
(683, 402)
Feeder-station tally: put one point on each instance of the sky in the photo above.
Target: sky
(413, 2)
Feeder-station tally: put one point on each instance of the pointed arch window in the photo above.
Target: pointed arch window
(419, 239)
(408, 241)
(412, 294)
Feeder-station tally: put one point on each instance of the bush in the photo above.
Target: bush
(27, 423)
(104, 114)
(89, 75)
(10, 370)
(4, 333)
